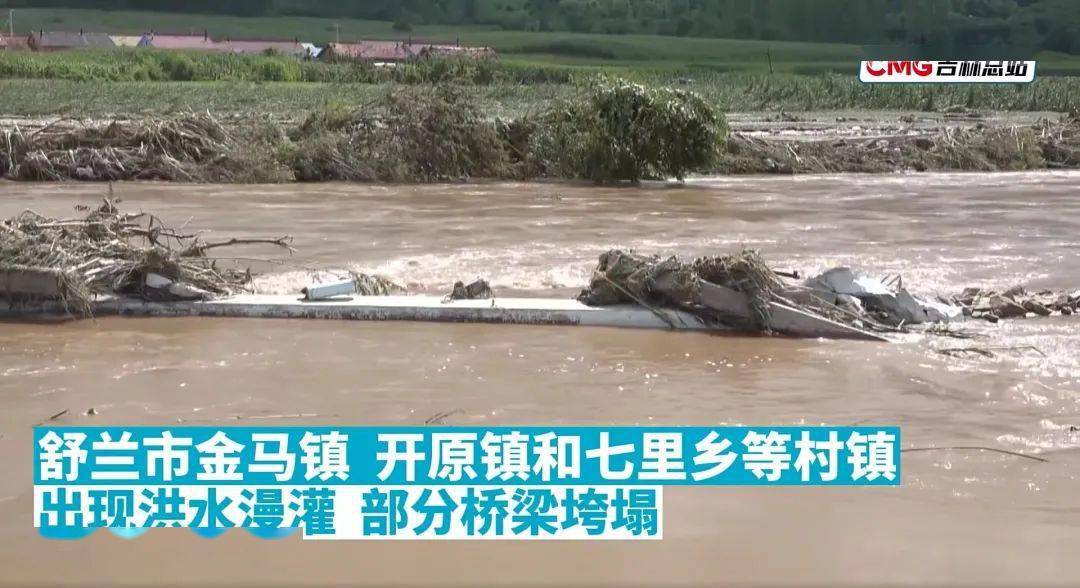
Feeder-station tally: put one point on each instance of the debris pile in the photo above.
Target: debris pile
(418, 136)
(407, 135)
(741, 290)
(109, 252)
(477, 290)
(626, 277)
(1016, 302)
(188, 147)
(1046, 144)
(372, 285)
(888, 303)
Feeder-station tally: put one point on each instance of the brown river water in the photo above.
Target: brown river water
(961, 516)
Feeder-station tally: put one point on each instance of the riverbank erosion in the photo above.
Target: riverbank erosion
(617, 132)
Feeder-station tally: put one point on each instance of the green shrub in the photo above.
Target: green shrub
(624, 131)
(178, 66)
(279, 70)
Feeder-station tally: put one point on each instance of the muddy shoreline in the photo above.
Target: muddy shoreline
(758, 143)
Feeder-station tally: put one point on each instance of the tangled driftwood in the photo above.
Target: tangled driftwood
(111, 252)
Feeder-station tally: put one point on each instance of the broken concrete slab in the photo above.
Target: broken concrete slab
(782, 318)
(1032, 305)
(21, 282)
(895, 306)
(844, 280)
(1005, 307)
(178, 290)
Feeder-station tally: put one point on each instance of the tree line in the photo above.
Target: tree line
(947, 28)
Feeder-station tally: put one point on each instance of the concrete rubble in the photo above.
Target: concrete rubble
(893, 306)
(1016, 302)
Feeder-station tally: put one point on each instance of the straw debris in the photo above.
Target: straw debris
(1046, 144)
(186, 147)
(109, 252)
(623, 277)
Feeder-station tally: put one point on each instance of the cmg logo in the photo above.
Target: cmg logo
(946, 72)
(878, 69)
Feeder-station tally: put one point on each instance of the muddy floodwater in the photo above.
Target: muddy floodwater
(960, 515)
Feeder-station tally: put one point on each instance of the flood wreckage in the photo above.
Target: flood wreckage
(110, 262)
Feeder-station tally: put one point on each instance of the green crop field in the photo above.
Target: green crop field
(534, 68)
(547, 47)
(729, 92)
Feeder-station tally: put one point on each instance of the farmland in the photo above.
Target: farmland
(730, 92)
(534, 69)
(620, 51)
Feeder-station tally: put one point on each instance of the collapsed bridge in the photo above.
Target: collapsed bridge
(108, 262)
